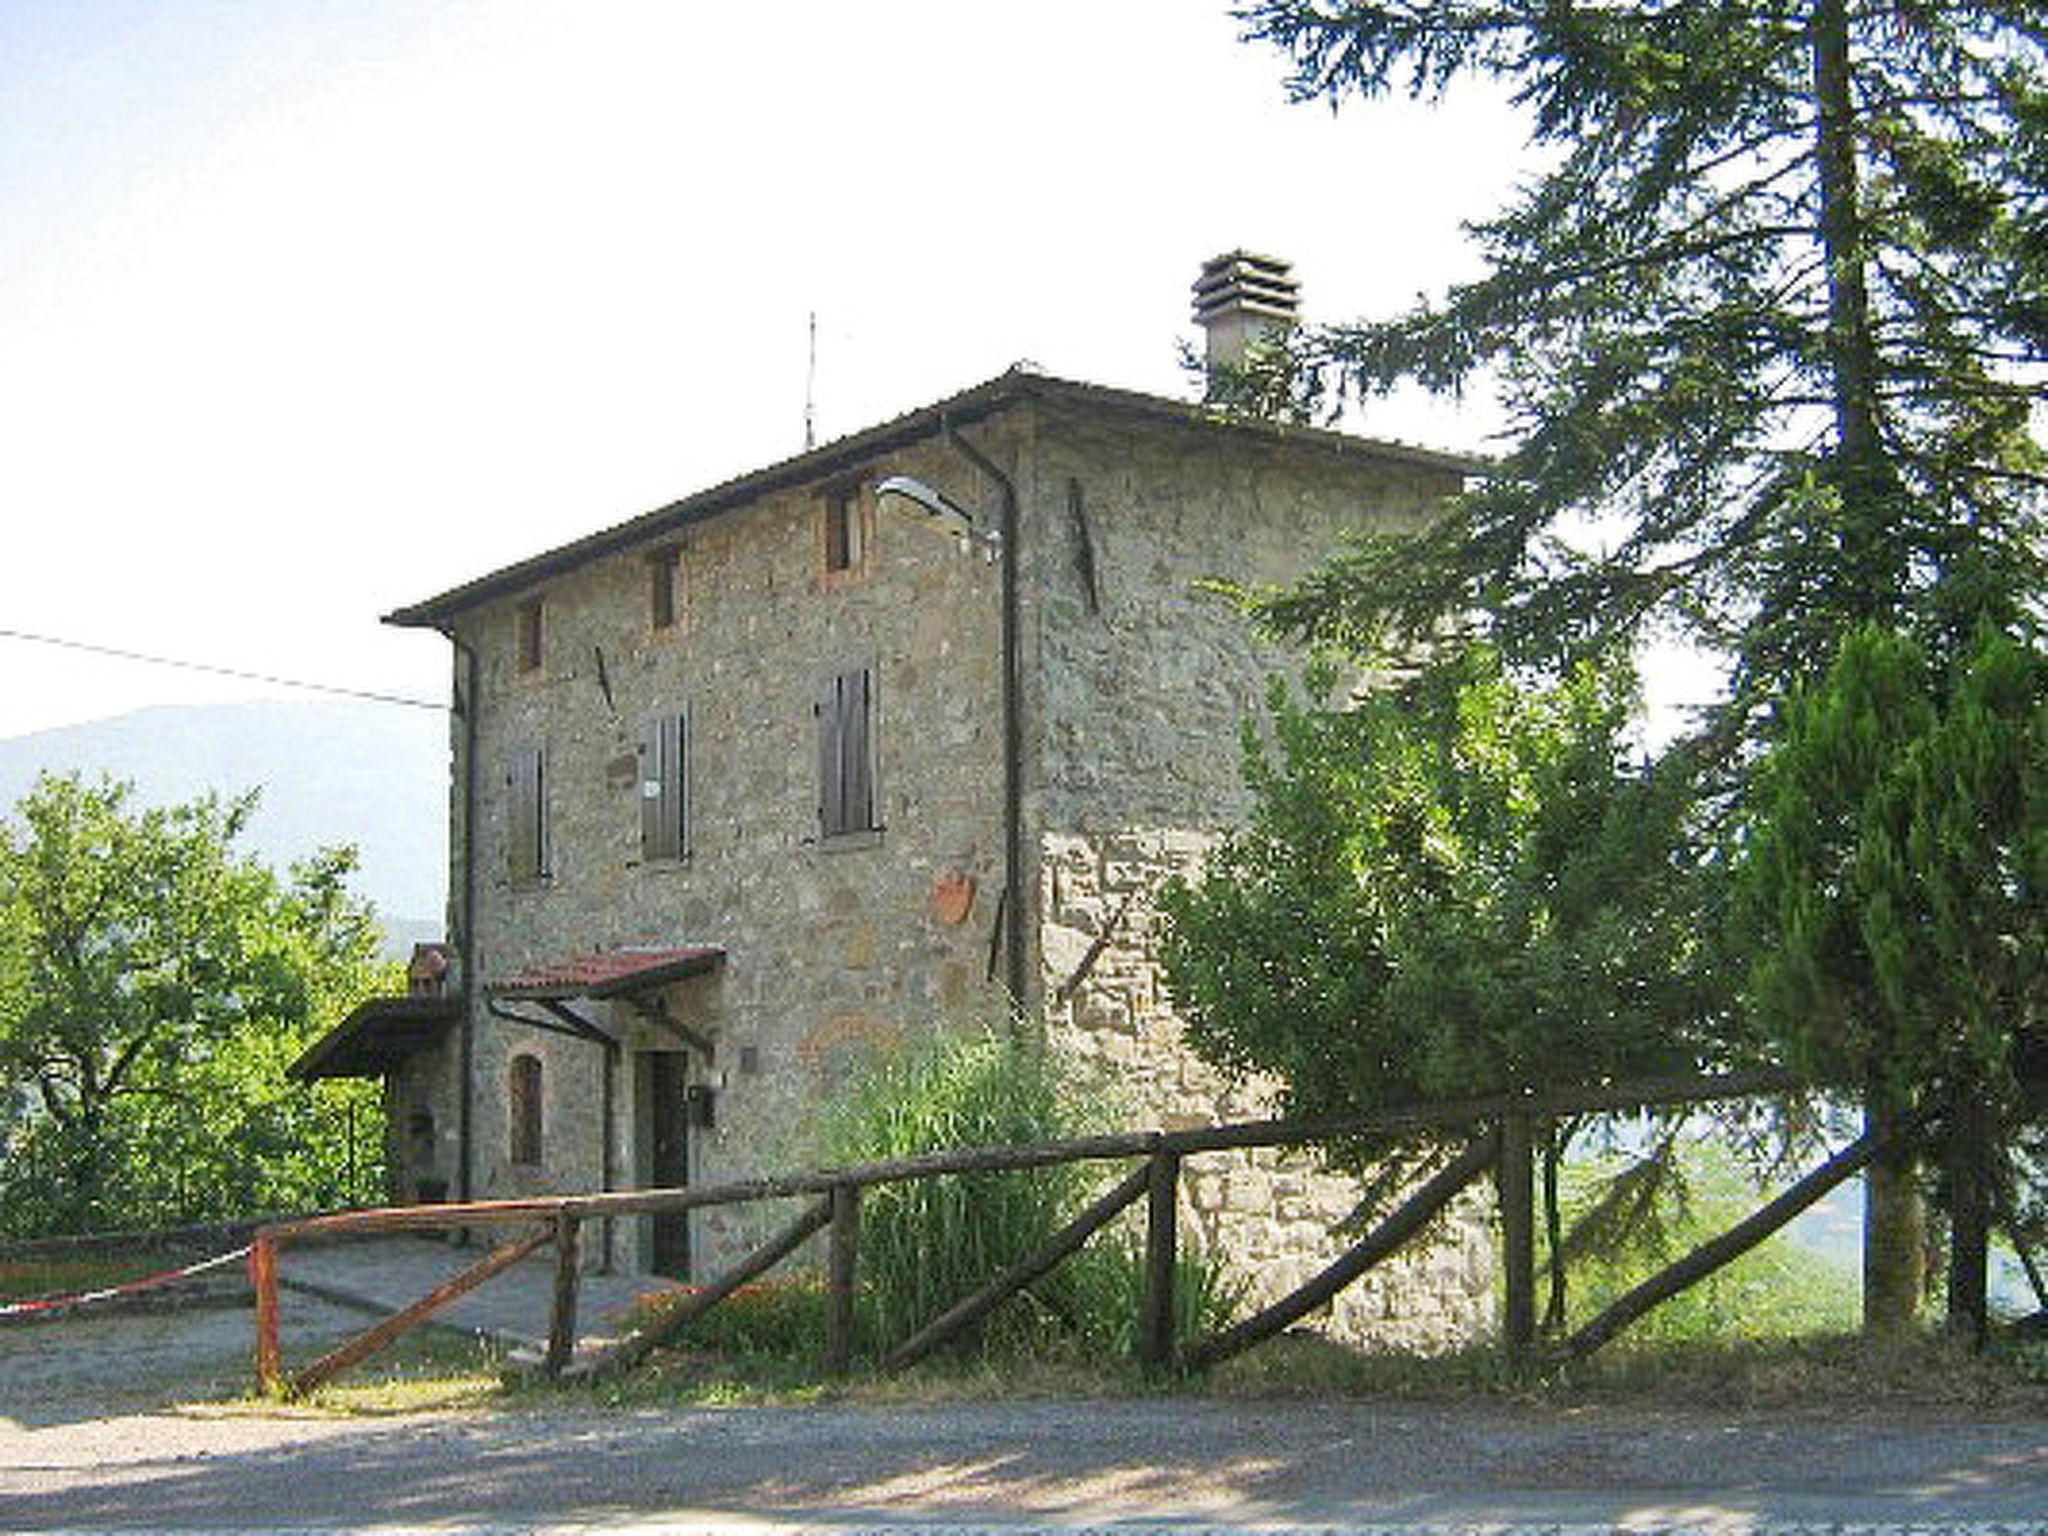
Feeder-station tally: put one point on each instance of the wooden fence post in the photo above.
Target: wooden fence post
(1516, 1185)
(263, 1280)
(568, 1274)
(1156, 1323)
(841, 1276)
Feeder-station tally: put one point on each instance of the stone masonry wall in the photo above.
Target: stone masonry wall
(831, 947)
(1148, 679)
(1266, 1215)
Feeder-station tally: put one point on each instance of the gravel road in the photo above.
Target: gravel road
(82, 1448)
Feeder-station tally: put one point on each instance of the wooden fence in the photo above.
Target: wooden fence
(1497, 1132)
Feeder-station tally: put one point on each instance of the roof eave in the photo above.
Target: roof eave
(967, 407)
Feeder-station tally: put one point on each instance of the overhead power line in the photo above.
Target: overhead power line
(236, 672)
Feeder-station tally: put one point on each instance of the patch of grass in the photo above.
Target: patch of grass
(927, 1242)
(1831, 1373)
(776, 1320)
(430, 1368)
(1305, 1364)
(1834, 1373)
(24, 1279)
(1777, 1290)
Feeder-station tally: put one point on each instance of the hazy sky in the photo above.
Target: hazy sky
(308, 310)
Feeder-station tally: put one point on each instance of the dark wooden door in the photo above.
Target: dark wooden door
(669, 1163)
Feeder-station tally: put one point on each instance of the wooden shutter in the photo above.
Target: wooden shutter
(846, 781)
(664, 577)
(662, 788)
(858, 746)
(831, 782)
(679, 757)
(526, 829)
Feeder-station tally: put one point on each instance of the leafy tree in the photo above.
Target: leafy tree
(153, 985)
(1769, 325)
(1894, 887)
(1453, 887)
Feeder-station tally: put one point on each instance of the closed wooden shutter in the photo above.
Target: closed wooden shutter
(846, 785)
(860, 782)
(663, 787)
(831, 785)
(527, 830)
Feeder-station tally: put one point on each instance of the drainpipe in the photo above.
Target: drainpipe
(465, 949)
(1015, 956)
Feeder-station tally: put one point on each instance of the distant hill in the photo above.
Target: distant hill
(330, 772)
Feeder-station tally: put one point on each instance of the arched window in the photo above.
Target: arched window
(524, 1109)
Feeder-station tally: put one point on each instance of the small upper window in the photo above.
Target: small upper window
(844, 544)
(664, 589)
(527, 635)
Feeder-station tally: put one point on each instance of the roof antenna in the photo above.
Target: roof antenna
(811, 390)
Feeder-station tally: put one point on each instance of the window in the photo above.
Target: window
(664, 589)
(523, 1110)
(664, 788)
(527, 635)
(527, 828)
(845, 546)
(846, 777)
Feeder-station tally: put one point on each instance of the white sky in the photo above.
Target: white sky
(310, 310)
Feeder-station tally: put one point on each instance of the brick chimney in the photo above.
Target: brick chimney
(1241, 297)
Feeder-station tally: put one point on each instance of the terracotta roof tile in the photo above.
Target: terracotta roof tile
(608, 973)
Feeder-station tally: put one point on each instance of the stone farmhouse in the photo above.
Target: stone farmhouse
(894, 736)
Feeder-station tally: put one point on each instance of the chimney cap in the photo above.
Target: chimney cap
(1246, 282)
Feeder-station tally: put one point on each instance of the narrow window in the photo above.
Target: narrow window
(846, 777)
(843, 549)
(664, 788)
(527, 828)
(527, 635)
(664, 597)
(523, 1110)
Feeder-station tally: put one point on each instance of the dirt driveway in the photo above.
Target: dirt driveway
(86, 1444)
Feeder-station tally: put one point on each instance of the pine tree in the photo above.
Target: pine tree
(1893, 895)
(1770, 326)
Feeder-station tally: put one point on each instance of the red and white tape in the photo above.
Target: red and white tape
(125, 1288)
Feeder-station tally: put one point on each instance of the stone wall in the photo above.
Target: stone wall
(1148, 673)
(1149, 677)
(1266, 1215)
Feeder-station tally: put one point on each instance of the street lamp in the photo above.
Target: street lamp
(912, 497)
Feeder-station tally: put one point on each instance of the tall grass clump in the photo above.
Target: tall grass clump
(926, 1244)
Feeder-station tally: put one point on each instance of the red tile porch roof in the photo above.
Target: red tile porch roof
(608, 973)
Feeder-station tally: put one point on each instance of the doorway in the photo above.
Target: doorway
(664, 1111)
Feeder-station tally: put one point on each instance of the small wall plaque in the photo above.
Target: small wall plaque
(953, 897)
